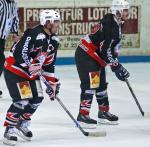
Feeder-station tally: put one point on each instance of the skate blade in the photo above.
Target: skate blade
(87, 126)
(9, 142)
(106, 122)
(20, 134)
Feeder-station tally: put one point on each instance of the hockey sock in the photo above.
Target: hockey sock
(28, 111)
(14, 112)
(86, 101)
(102, 100)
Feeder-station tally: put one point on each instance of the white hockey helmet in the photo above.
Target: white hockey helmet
(119, 5)
(50, 15)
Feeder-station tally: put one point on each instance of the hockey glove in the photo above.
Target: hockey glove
(34, 69)
(120, 72)
(53, 89)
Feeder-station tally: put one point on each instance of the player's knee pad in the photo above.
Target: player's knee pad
(21, 104)
(87, 93)
(101, 92)
(31, 108)
(35, 102)
(34, 106)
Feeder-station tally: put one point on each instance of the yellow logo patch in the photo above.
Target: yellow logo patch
(94, 79)
(25, 90)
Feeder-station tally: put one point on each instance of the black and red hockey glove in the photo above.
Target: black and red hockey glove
(120, 72)
(53, 89)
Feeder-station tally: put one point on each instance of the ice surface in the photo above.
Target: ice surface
(52, 127)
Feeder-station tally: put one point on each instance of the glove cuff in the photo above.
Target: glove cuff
(114, 68)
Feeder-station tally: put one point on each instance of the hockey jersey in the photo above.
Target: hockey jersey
(103, 42)
(35, 46)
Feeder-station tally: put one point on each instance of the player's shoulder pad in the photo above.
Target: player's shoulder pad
(108, 18)
(35, 32)
(55, 38)
(28, 31)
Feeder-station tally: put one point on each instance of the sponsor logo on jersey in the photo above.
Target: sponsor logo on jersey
(25, 51)
(113, 62)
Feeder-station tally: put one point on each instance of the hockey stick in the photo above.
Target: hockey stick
(136, 100)
(94, 134)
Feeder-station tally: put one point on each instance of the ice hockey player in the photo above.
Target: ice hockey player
(35, 52)
(97, 50)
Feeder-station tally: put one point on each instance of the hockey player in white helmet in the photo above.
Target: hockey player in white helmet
(97, 50)
(50, 19)
(35, 52)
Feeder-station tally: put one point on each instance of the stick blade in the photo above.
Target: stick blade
(97, 134)
(147, 114)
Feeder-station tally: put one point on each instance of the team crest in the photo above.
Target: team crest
(94, 79)
(25, 90)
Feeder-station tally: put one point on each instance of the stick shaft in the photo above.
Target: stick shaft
(66, 110)
(71, 116)
(134, 96)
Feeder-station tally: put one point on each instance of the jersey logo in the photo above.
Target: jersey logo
(40, 36)
(41, 57)
(49, 59)
(50, 48)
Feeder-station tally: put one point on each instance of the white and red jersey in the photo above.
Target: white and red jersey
(35, 46)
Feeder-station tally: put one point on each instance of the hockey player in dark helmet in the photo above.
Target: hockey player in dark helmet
(97, 50)
(35, 52)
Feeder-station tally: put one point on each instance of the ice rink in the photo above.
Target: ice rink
(52, 127)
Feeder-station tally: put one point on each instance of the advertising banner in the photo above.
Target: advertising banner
(77, 22)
